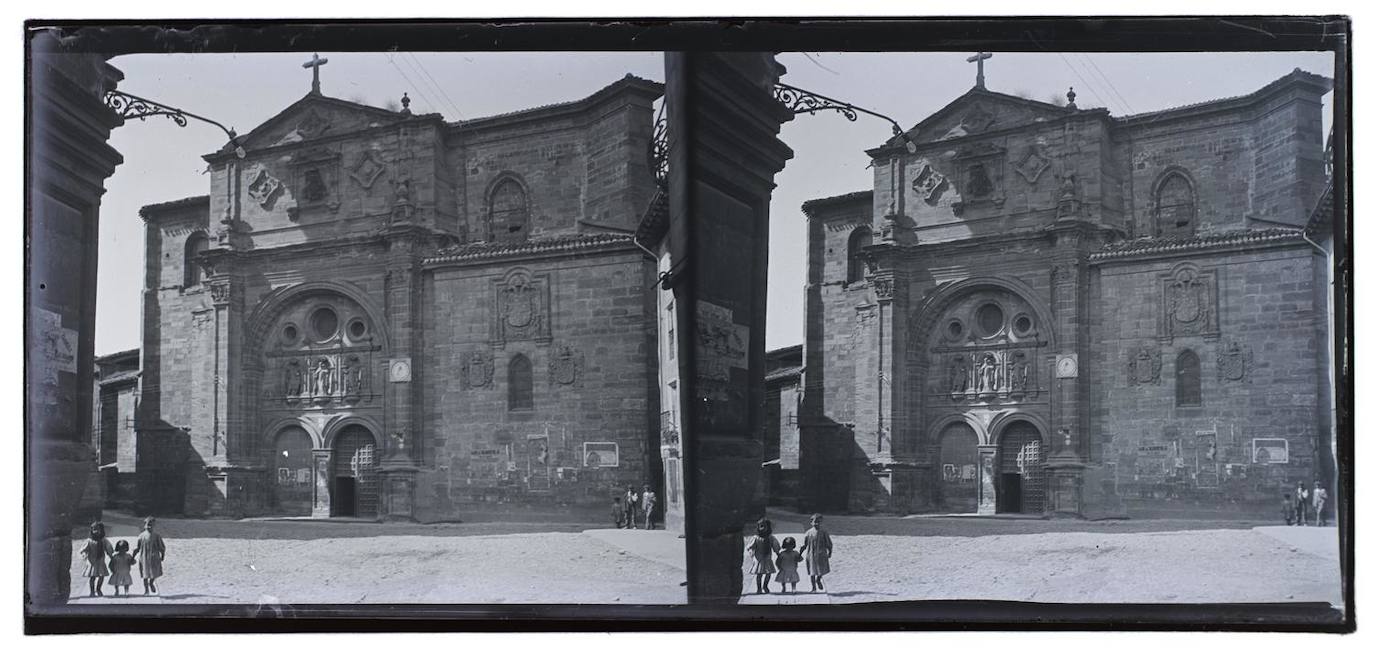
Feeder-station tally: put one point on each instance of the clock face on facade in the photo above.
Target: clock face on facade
(400, 370)
(1066, 366)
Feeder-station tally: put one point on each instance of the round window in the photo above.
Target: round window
(955, 329)
(1022, 324)
(990, 319)
(357, 328)
(289, 334)
(325, 323)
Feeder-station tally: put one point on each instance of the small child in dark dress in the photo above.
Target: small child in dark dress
(1287, 509)
(94, 551)
(788, 560)
(762, 548)
(121, 568)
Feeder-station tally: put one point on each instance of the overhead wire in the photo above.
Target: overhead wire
(1112, 87)
(436, 85)
(390, 57)
(1082, 80)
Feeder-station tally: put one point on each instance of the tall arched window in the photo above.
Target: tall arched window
(510, 212)
(1187, 379)
(194, 246)
(859, 239)
(520, 383)
(1175, 208)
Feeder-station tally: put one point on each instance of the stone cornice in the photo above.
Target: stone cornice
(483, 252)
(1156, 247)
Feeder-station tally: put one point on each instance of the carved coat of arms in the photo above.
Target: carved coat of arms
(1143, 366)
(477, 369)
(565, 365)
(1233, 362)
(263, 187)
(1188, 303)
(929, 184)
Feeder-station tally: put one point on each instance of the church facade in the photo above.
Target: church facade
(381, 314)
(1044, 309)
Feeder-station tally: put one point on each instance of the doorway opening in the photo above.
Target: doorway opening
(1021, 470)
(353, 484)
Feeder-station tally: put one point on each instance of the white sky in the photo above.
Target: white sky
(162, 162)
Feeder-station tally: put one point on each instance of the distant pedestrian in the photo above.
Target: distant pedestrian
(617, 512)
(1319, 503)
(788, 560)
(1300, 503)
(816, 550)
(153, 550)
(121, 566)
(94, 551)
(1287, 509)
(649, 500)
(631, 507)
(762, 548)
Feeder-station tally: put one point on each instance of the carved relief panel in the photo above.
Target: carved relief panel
(1143, 364)
(565, 366)
(321, 352)
(1234, 362)
(522, 307)
(315, 181)
(987, 348)
(1188, 303)
(980, 176)
(477, 368)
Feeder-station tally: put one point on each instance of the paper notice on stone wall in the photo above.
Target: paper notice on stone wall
(721, 344)
(57, 345)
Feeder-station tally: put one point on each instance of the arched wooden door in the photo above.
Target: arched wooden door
(958, 471)
(354, 484)
(294, 472)
(1021, 470)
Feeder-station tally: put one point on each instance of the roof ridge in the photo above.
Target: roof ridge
(1148, 244)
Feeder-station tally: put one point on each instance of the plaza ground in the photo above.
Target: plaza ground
(569, 558)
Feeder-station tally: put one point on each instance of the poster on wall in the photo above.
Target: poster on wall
(600, 455)
(1270, 450)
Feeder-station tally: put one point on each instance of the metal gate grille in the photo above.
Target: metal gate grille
(354, 456)
(1021, 455)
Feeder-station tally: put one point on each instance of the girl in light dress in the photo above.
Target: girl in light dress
(121, 565)
(816, 551)
(788, 560)
(153, 549)
(761, 548)
(94, 551)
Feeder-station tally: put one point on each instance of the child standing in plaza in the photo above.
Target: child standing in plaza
(1287, 509)
(617, 512)
(650, 501)
(631, 504)
(1300, 500)
(762, 548)
(1319, 503)
(94, 551)
(788, 561)
(816, 551)
(153, 549)
(121, 565)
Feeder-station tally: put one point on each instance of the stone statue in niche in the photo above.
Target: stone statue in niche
(398, 442)
(979, 183)
(322, 379)
(1018, 373)
(358, 377)
(1067, 203)
(315, 189)
(958, 375)
(987, 374)
(294, 380)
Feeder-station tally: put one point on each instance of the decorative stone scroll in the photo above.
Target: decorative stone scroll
(1188, 303)
(565, 366)
(1032, 164)
(1143, 365)
(477, 368)
(366, 168)
(263, 187)
(1234, 363)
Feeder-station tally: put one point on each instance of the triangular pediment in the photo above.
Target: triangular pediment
(314, 117)
(980, 111)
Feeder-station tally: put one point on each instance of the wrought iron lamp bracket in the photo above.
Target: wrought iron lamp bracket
(128, 105)
(802, 101)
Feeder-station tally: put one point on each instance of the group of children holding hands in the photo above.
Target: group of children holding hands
(121, 561)
(815, 551)
(637, 507)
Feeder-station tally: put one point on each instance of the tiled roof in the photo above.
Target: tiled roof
(1298, 75)
(627, 80)
(1156, 245)
(837, 199)
(173, 204)
(567, 243)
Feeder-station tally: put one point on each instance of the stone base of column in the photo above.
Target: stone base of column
(58, 474)
(1064, 494)
(398, 478)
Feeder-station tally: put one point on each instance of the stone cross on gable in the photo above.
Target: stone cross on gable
(978, 58)
(315, 63)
